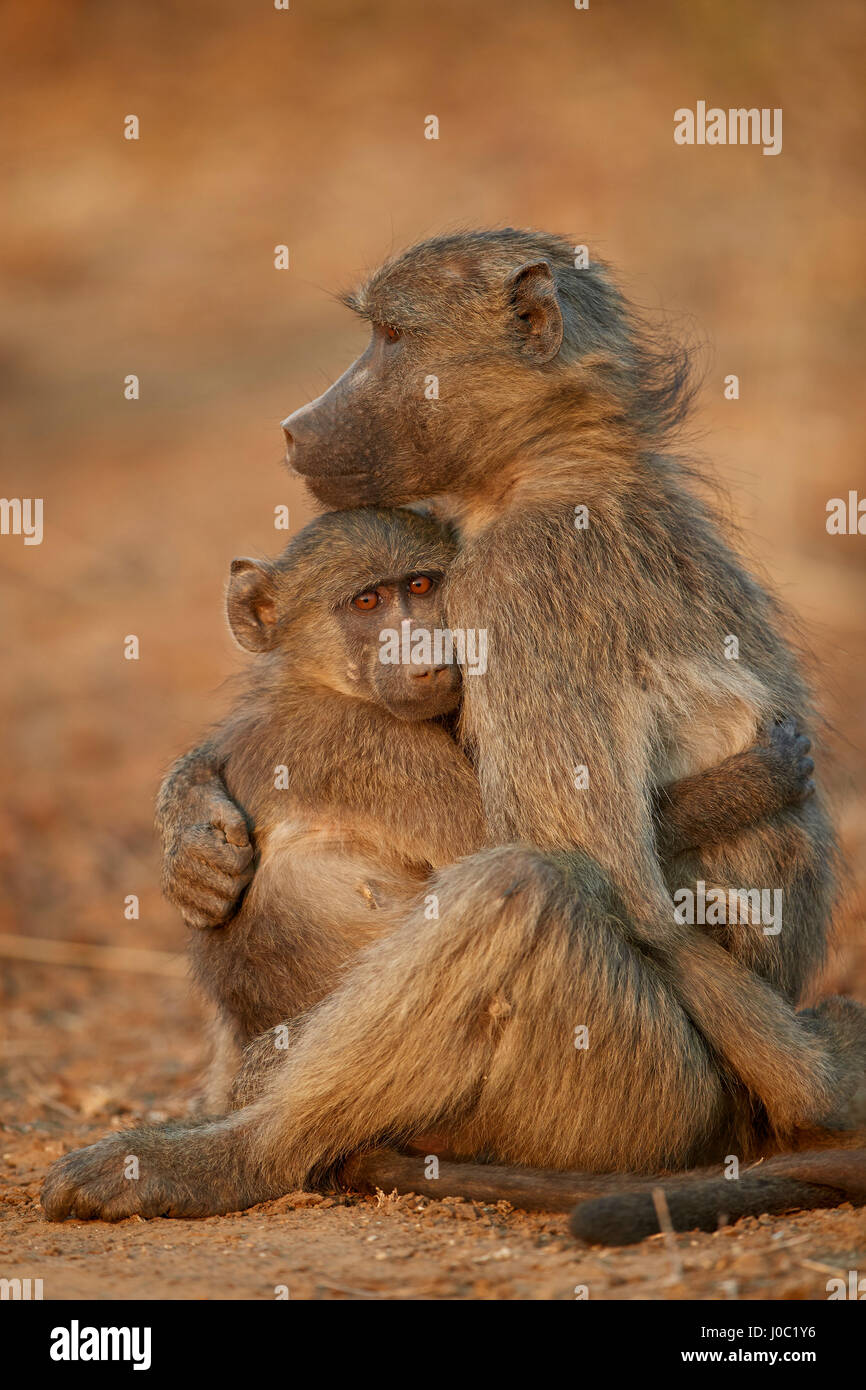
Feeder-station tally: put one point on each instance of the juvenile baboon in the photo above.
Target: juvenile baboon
(351, 782)
(348, 774)
(608, 652)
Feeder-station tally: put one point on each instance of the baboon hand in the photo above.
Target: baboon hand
(208, 865)
(178, 1169)
(787, 751)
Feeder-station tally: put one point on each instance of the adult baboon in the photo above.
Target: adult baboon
(610, 656)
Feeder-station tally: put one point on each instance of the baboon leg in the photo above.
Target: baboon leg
(786, 1063)
(261, 1062)
(222, 1070)
(804, 1069)
(440, 1026)
(780, 854)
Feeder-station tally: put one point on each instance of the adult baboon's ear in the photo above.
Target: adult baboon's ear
(536, 310)
(251, 605)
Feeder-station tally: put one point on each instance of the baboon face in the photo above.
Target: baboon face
(398, 618)
(354, 605)
(465, 331)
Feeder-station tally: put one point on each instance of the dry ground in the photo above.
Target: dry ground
(86, 1058)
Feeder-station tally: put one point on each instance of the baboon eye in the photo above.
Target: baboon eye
(391, 333)
(365, 603)
(421, 584)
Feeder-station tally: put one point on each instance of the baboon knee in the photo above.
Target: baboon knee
(514, 888)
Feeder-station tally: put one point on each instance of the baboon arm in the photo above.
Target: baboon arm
(740, 792)
(207, 852)
(710, 806)
(562, 754)
(225, 1062)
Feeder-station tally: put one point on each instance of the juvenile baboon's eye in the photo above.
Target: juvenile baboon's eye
(421, 584)
(391, 333)
(365, 603)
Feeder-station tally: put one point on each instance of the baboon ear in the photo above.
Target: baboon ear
(535, 306)
(251, 604)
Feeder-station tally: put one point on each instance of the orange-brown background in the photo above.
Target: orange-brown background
(155, 257)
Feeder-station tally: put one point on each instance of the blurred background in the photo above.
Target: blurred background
(260, 127)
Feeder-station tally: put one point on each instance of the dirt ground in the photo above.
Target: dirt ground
(155, 257)
(85, 1058)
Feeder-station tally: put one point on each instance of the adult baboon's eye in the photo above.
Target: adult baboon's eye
(391, 333)
(421, 584)
(365, 603)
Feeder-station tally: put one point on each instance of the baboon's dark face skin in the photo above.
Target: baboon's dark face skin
(470, 335)
(339, 443)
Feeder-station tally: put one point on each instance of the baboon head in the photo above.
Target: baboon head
(346, 607)
(485, 347)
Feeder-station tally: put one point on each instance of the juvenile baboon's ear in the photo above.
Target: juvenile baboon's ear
(251, 604)
(537, 314)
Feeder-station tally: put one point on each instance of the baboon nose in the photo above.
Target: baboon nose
(290, 439)
(426, 673)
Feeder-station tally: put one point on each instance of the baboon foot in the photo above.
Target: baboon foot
(176, 1170)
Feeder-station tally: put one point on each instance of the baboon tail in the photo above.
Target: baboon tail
(623, 1208)
(790, 1182)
